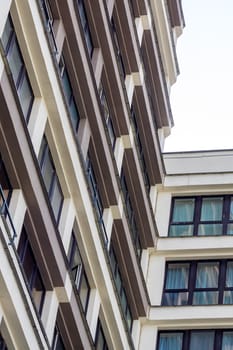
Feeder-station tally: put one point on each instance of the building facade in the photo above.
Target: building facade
(85, 191)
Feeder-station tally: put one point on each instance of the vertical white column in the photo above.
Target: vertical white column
(93, 311)
(66, 222)
(49, 314)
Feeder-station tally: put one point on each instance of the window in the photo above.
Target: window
(118, 51)
(78, 273)
(57, 340)
(50, 177)
(2, 343)
(96, 198)
(202, 216)
(195, 339)
(198, 283)
(120, 288)
(69, 95)
(5, 187)
(100, 341)
(49, 20)
(85, 26)
(107, 116)
(18, 70)
(31, 270)
(140, 150)
(131, 216)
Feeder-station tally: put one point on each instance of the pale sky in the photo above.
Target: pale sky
(202, 97)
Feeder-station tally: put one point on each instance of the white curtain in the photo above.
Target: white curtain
(202, 341)
(211, 209)
(170, 341)
(227, 341)
(183, 210)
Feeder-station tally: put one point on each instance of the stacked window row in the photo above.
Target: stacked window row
(201, 216)
(195, 339)
(198, 283)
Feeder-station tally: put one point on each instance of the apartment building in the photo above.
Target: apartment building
(190, 272)
(84, 96)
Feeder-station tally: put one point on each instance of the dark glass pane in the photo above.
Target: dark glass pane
(7, 33)
(4, 183)
(76, 265)
(100, 339)
(174, 298)
(56, 198)
(228, 297)
(229, 274)
(41, 155)
(113, 262)
(227, 340)
(2, 343)
(230, 229)
(84, 22)
(202, 340)
(59, 344)
(29, 264)
(84, 291)
(205, 298)
(177, 276)
(231, 210)
(15, 62)
(170, 341)
(82, 13)
(180, 230)
(207, 275)
(22, 244)
(25, 96)
(89, 42)
(123, 301)
(66, 85)
(57, 341)
(74, 114)
(211, 209)
(76, 258)
(111, 132)
(209, 229)
(118, 280)
(48, 172)
(183, 210)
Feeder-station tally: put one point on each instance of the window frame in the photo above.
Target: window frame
(131, 216)
(197, 221)
(57, 337)
(69, 98)
(100, 331)
(120, 287)
(24, 248)
(186, 337)
(107, 115)
(3, 345)
(7, 192)
(44, 156)
(96, 198)
(191, 288)
(85, 26)
(22, 76)
(80, 273)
